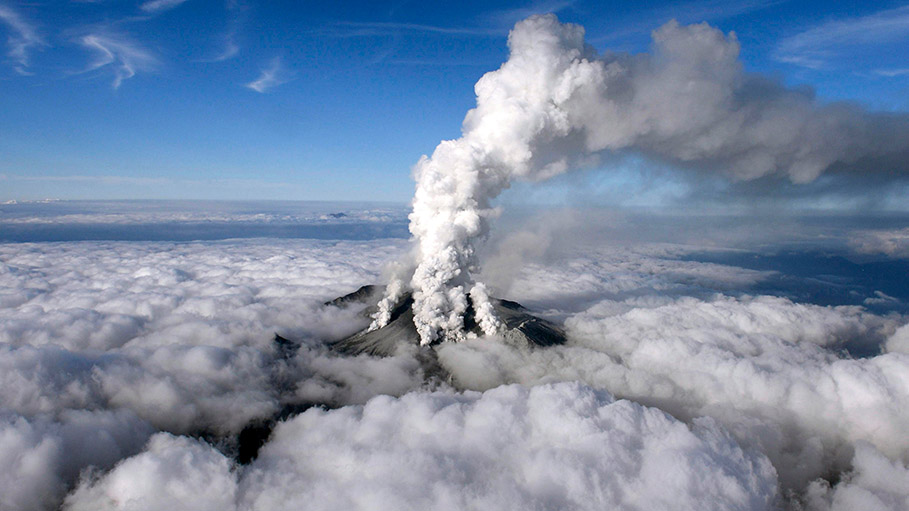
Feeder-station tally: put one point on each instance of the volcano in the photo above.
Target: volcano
(520, 328)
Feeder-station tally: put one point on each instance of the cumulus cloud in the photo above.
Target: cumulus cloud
(23, 38)
(556, 447)
(875, 482)
(557, 105)
(899, 341)
(764, 367)
(172, 473)
(893, 242)
(122, 56)
(43, 455)
(154, 338)
(105, 344)
(271, 76)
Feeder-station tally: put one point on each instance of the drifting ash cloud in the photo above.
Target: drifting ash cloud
(556, 105)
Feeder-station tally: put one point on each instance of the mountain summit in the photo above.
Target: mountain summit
(519, 326)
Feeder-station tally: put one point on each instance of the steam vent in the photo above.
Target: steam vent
(520, 327)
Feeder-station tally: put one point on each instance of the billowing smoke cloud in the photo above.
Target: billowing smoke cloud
(555, 105)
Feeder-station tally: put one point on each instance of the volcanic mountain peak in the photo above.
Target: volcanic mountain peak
(519, 326)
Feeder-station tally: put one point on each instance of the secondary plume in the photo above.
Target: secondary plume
(556, 105)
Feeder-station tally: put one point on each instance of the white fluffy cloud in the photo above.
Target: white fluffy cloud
(42, 455)
(764, 367)
(180, 333)
(173, 473)
(141, 337)
(893, 242)
(876, 483)
(102, 344)
(561, 446)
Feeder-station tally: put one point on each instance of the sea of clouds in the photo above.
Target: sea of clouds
(129, 369)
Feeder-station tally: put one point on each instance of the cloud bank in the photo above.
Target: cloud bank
(770, 370)
(562, 446)
(126, 361)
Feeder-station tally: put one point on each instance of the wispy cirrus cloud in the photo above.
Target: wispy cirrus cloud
(229, 45)
(23, 37)
(124, 57)
(230, 49)
(814, 47)
(508, 17)
(380, 28)
(155, 6)
(495, 23)
(270, 77)
(890, 73)
(693, 11)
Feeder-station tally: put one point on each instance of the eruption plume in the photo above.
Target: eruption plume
(556, 105)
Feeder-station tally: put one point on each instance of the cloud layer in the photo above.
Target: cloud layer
(105, 343)
(118, 358)
(562, 446)
(559, 446)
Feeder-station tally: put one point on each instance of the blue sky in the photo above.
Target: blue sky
(337, 100)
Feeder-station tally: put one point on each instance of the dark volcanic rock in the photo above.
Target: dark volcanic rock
(521, 328)
(363, 295)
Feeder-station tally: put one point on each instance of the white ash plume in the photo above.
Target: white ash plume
(556, 104)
